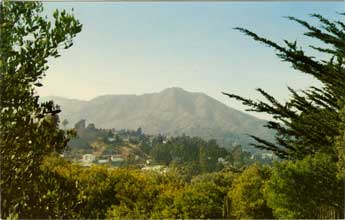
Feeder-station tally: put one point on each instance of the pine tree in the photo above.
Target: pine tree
(309, 121)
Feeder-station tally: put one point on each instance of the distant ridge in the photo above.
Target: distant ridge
(173, 111)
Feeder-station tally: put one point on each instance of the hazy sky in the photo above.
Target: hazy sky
(135, 48)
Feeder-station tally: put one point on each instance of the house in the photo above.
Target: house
(111, 139)
(88, 158)
(116, 158)
(267, 156)
(158, 168)
(222, 160)
(102, 161)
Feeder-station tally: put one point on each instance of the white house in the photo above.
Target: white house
(157, 168)
(116, 158)
(102, 161)
(88, 158)
(267, 155)
(222, 160)
(111, 139)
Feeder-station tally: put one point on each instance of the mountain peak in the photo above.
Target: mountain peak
(173, 111)
(173, 89)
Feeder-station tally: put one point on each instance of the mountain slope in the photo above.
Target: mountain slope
(173, 111)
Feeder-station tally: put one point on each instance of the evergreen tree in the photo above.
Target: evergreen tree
(309, 121)
(340, 146)
(28, 129)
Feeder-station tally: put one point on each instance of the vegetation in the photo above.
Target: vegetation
(36, 182)
(29, 129)
(309, 122)
(247, 194)
(309, 128)
(306, 188)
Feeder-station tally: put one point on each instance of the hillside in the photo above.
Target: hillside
(172, 111)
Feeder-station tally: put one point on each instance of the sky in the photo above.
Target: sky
(136, 48)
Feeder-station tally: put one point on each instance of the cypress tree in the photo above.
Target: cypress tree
(309, 121)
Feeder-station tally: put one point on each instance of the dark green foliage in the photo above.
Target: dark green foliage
(308, 122)
(306, 189)
(189, 151)
(29, 130)
(239, 158)
(340, 147)
(309, 131)
(161, 154)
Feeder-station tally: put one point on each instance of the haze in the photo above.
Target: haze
(136, 48)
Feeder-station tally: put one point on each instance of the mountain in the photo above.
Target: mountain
(172, 111)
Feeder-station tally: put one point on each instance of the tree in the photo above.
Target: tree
(247, 194)
(309, 128)
(340, 146)
(170, 187)
(65, 123)
(202, 200)
(98, 187)
(139, 132)
(136, 193)
(80, 124)
(161, 153)
(309, 121)
(306, 188)
(58, 189)
(239, 157)
(28, 129)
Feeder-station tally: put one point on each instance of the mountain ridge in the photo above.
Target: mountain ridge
(173, 111)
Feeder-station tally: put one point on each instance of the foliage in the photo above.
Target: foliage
(28, 129)
(58, 191)
(37, 183)
(309, 130)
(239, 158)
(308, 122)
(201, 200)
(340, 146)
(100, 192)
(142, 195)
(164, 206)
(204, 197)
(303, 188)
(246, 194)
(191, 151)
